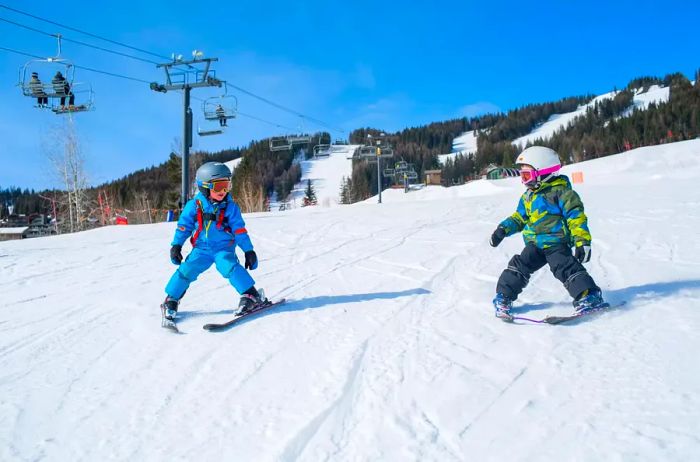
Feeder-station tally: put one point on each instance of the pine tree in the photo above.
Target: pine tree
(309, 195)
(345, 191)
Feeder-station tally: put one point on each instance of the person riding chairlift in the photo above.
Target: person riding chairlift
(221, 114)
(37, 89)
(62, 89)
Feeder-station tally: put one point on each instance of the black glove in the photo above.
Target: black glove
(251, 260)
(497, 237)
(176, 254)
(583, 253)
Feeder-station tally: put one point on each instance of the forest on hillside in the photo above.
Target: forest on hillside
(607, 127)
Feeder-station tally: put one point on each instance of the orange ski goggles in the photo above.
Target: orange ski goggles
(218, 186)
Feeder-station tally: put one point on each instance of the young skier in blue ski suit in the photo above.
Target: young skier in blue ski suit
(213, 222)
(550, 215)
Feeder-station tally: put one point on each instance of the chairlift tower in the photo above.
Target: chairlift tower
(186, 75)
(374, 152)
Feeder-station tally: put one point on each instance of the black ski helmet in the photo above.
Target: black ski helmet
(211, 171)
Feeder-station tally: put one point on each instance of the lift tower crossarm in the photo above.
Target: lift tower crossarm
(202, 78)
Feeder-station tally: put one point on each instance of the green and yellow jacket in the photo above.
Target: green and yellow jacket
(550, 215)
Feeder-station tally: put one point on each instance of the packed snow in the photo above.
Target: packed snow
(326, 174)
(387, 349)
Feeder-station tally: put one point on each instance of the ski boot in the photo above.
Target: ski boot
(169, 308)
(589, 300)
(503, 306)
(249, 302)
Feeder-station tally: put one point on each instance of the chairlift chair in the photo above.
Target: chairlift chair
(210, 132)
(368, 151)
(386, 151)
(298, 139)
(355, 154)
(229, 107)
(84, 99)
(44, 87)
(280, 143)
(322, 150)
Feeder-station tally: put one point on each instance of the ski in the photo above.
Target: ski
(237, 318)
(563, 319)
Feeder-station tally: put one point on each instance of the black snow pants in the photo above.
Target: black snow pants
(563, 264)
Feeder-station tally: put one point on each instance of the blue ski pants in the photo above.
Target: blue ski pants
(198, 261)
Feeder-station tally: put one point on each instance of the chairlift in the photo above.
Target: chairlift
(82, 95)
(322, 150)
(210, 132)
(389, 172)
(354, 154)
(220, 107)
(386, 151)
(298, 139)
(368, 151)
(53, 88)
(280, 143)
(401, 166)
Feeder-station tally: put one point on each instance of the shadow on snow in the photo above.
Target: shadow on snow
(624, 299)
(323, 301)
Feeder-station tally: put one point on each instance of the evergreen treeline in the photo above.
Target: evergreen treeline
(601, 132)
(22, 201)
(419, 146)
(609, 126)
(494, 143)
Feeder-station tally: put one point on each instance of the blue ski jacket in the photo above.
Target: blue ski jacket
(212, 225)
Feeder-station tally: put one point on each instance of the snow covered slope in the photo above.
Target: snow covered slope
(326, 174)
(558, 121)
(466, 142)
(387, 350)
(642, 99)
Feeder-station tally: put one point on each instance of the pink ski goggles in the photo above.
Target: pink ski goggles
(532, 176)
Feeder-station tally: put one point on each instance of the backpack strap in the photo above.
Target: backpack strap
(220, 220)
(200, 223)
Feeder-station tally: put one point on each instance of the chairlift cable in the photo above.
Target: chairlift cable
(111, 73)
(21, 53)
(83, 32)
(279, 106)
(272, 103)
(274, 124)
(78, 42)
(265, 121)
(76, 66)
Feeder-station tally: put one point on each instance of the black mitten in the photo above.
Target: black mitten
(497, 237)
(176, 254)
(583, 253)
(251, 260)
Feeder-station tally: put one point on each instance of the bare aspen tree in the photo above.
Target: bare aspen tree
(64, 152)
(250, 197)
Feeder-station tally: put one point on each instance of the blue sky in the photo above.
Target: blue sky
(388, 65)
